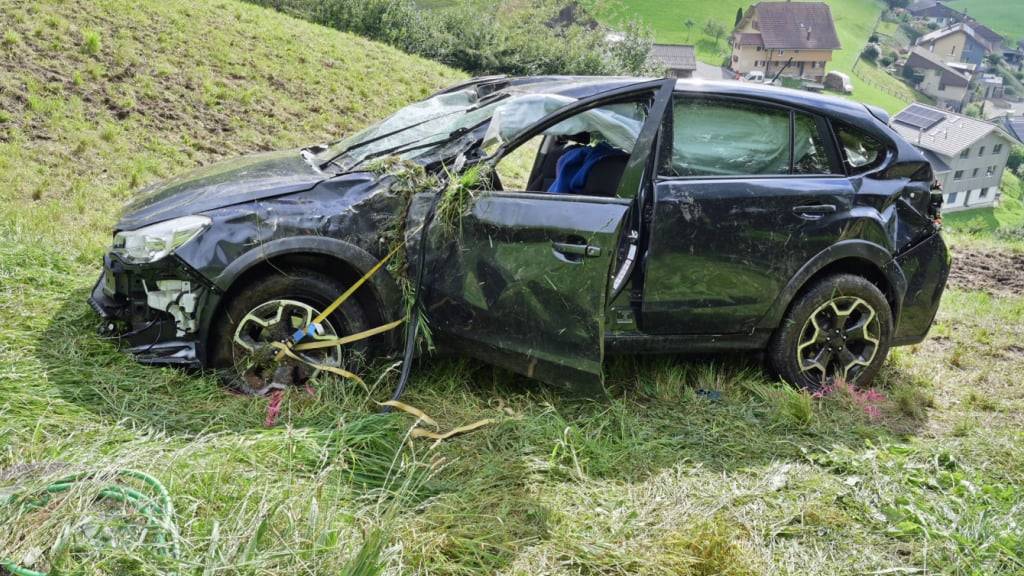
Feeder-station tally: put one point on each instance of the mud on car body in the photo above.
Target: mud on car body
(619, 215)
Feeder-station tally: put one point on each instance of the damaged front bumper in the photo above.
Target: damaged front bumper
(154, 310)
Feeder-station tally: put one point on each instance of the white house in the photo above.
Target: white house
(967, 155)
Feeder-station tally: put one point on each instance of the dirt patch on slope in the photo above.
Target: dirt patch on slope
(993, 272)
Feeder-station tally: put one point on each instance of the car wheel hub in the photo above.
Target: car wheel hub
(254, 356)
(839, 340)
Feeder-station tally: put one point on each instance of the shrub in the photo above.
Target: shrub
(480, 40)
(1016, 158)
(870, 53)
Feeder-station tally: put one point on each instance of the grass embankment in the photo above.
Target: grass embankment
(656, 478)
(1003, 16)
(1005, 219)
(854, 20)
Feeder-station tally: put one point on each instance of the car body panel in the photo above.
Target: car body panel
(503, 290)
(222, 184)
(717, 261)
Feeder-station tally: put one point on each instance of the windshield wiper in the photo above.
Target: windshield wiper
(486, 100)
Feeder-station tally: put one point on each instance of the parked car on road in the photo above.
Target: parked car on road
(618, 215)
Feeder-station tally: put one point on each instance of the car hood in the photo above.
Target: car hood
(222, 184)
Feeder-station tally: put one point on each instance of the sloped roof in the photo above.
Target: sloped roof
(954, 29)
(950, 135)
(675, 56)
(750, 39)
(796, 25)
(1015, 126)
(938, 164)
(921, 58)
(988, 34)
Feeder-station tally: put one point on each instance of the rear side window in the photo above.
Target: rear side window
(861, 152)
(717, 138)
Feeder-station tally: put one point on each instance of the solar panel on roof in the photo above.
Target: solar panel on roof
(920, 117)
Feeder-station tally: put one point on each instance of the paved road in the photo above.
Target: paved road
(709, 72)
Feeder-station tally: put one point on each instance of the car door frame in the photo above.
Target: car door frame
(629, 193)
(664, 151)
(640, 172)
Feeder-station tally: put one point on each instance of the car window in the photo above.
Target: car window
(584, 154)
(809, 153)
(860, 151)
(721, 138)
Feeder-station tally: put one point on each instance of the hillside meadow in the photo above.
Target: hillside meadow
(659, 475)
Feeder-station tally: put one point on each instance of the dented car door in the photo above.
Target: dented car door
(523, 280)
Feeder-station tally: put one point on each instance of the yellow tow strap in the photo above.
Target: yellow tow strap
(284, 349)
(438, 437)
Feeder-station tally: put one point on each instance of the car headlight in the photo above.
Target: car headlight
(152, 243)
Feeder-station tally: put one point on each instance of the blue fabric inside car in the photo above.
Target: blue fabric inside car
(577, 164)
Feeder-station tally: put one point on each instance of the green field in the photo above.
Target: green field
(854, 21)
(100, 97)
(1003, 16)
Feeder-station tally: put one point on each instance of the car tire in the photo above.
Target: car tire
(838, 328)
(293, 292)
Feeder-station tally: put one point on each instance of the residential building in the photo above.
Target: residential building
(937, 79)
(934, 11)
(678, 60)
(967, 155)
(957, 43)
(1014, 125)
(991, 86)
(797, 38)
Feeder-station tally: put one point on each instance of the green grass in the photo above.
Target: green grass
(1009, 215)
(653, 478)
(854, 20)
(1003, 16)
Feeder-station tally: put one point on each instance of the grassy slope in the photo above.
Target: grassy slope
(653, 479)
(854, 20)
(1003, 16)
(1008, 215)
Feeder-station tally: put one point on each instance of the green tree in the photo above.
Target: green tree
(739, 16)
(689, 27)
(1016, 158)
(714, 29)
(994, 60)
(870, 53)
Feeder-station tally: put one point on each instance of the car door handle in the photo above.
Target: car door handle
(816, 210)
(570, 249)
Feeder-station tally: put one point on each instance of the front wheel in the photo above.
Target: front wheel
(270, 310)
(839, 329)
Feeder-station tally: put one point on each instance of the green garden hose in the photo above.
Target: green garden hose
(156, 509)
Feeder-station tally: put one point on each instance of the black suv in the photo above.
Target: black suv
(610, 215)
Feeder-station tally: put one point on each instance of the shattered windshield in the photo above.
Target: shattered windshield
(432, 120)
(417, 130)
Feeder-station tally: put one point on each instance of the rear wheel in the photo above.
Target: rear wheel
(839, 329)
(271, 310)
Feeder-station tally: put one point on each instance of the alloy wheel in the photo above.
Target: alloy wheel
(275, 321)
(839, 339)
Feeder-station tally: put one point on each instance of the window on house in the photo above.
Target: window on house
(997, 149)
(991, 170)
(952, 198)
(958, 175)
(735, 58)
(953, 49)
(984, 193)
(965, 153)
(974, 173)
(981, 152)
(758, 48)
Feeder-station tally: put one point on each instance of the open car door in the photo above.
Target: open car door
(523, 279)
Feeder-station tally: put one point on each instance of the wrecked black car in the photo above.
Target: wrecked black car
(604, 215)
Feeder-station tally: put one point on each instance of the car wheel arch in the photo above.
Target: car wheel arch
(345, 261)
(857, 257)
